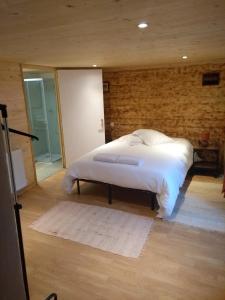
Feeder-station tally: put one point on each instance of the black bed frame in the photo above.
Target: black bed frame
(153, 201)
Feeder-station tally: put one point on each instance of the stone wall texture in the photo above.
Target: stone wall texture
(171, 100)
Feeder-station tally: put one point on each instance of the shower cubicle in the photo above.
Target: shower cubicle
(43, 115)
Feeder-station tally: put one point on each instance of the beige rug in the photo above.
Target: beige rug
(103, 228)
(202, 205)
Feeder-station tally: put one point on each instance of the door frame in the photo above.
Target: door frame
(59, 119)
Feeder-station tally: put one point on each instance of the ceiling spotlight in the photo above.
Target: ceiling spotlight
(94, 66)
(142, 25)
(33, 79)
(184, 57)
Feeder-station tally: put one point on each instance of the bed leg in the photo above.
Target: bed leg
(78, 186)
(152, 202)
(109, 194)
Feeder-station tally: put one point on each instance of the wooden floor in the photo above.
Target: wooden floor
(178, 262)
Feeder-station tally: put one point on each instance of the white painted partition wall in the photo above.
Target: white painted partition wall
(82, 109)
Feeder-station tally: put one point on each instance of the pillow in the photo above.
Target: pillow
(131, 139)
(152, 137)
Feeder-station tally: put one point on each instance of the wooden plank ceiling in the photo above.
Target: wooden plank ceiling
(81, 33)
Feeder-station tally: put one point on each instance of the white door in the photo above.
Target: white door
(82, 109)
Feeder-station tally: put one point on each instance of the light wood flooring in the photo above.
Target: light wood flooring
(178, 262)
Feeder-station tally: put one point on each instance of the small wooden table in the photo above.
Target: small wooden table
(211, 165)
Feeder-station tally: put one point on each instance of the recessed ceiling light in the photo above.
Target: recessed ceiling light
(142, 25)
(184, 57)
(33, 79)
(94, 66)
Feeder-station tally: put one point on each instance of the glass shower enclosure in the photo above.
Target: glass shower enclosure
(40, 93)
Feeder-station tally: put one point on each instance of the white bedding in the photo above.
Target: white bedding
(163, 170)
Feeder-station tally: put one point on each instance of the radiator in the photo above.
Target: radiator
(19, 170)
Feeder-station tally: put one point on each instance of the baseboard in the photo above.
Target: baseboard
(27, 188)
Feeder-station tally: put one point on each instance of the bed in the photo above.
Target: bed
(156, 163)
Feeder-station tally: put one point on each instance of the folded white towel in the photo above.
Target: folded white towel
(116, 158)
(129, 160)
(106, 157)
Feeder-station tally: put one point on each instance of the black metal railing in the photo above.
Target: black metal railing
(17, 206)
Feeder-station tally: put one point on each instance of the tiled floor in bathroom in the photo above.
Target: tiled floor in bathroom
(46, 169)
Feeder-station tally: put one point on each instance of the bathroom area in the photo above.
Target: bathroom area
(42, 107)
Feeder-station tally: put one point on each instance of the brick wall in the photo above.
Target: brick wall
(171, 100)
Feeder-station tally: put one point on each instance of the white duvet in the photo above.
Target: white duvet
(163, 169)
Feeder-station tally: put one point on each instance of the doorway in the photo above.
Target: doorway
(41, 98)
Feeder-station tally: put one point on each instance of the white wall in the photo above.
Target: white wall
(81, 100)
